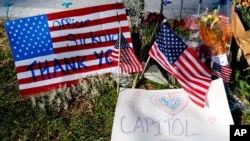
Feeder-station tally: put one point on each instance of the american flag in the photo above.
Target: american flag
(181, 62)
(223, 72)
(55, 49)
(129, 63)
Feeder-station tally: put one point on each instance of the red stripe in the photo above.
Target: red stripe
(194, 70)
(197, 59)
(50, 63)
(46, 88)
(188, 80)
(84, 11)
(87, 23)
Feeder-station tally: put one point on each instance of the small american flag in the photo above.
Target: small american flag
(223, 72)
(58, 48)
(181, 61)
(129, 63)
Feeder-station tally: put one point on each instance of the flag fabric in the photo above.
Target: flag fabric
(55, 49)
(181, 62)
(223, 72)
(129, 63)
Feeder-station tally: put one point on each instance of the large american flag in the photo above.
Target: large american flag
(59, 48)
(129, 63)
(181, 61)
(223, 72)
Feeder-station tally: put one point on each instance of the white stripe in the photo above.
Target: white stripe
(62, 55)
(87, 40)
(28, 74)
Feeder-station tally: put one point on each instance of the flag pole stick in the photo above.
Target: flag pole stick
(219, 6)
(119, 57)
(181, 10)
(199, 8)
(145, 67)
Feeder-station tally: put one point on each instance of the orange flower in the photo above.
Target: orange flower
(245, 4)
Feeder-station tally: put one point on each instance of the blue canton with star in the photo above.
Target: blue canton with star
(29, 37)
(170, 44)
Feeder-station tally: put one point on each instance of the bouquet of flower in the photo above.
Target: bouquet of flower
(242, 7)
(215, 32)
(240, 18)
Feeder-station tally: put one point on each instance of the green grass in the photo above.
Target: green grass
(88, 120)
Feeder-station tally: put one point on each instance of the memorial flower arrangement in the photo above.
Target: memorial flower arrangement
(242, 7)
(214, 32)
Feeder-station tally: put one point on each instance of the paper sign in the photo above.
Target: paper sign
(220, 59)
(169, 115)
(55, 49)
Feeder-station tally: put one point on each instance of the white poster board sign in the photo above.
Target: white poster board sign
(168, 115)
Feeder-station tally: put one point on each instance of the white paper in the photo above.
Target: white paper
(169, 115)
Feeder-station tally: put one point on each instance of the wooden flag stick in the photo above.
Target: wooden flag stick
(199, 7)
(181, 10)
(119, 57)
(144, 67)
